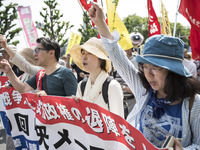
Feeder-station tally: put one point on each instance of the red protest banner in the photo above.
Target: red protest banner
(53, 122)
(195, 43)
(3, 80)
(190, 10)
(154, 26)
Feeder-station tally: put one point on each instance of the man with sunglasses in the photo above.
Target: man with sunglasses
(57, 80)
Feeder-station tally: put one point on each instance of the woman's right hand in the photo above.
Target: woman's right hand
(177, 145)
(96, 13)
(75, 98)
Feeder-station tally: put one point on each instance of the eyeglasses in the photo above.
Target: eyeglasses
(187, 57)
(154, 70)
(37, 50)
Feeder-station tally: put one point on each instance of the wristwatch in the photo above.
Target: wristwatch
(123, 87)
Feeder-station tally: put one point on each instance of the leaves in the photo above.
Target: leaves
(54, 28)
(136, 23)
(8, 15)
(86, 29)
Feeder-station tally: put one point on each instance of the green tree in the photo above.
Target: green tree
(86, 30)
(136, 23)
(53, 27)
(8, 15)
(181, 32)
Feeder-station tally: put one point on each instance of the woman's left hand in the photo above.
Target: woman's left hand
(177, 145)
(75, 98)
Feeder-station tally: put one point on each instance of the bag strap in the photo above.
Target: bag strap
(39, 76)
(191, 101)
(45, 84)
(83, 84)
(105, 89)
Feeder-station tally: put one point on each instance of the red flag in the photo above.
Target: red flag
(154, 26)
(195, 43)
(86, 4)
(190, 10)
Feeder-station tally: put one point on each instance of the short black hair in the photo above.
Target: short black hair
(50, 44)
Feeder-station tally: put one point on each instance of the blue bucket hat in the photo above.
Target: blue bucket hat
(165, 52)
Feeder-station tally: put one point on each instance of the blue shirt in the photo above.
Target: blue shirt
(169, 124)
(61, 82)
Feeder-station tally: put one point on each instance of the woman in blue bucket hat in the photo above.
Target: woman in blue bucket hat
(167, 103)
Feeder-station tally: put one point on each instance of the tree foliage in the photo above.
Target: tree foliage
(86, 30)
(53, 27)
(136, 23)
(181, 32)
(8, 15)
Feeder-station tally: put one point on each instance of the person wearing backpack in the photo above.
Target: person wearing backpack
(92, 58)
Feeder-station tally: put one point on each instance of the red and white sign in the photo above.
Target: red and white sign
(154, 26)
(52, 122)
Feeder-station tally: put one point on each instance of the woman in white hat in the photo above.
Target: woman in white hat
(92, 58)
(167, 99)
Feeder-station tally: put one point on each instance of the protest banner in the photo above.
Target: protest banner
(190, 10)
(154, 26)
(53, 122)
(74, 39)
(166, 30)
(115, 23)
(28, 26)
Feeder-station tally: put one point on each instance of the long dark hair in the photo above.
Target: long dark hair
(176, 86)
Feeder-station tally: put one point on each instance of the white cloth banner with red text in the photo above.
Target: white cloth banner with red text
(52, 122)
(28, 26)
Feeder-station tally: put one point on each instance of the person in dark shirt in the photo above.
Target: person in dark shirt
(55, 79)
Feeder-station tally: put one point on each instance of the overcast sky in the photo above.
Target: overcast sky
(73, 12)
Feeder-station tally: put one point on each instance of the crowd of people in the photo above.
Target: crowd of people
(160, 87)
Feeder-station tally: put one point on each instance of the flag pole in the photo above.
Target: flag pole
(85, 12)
(161, 17)
(174, 32)
(80, 5)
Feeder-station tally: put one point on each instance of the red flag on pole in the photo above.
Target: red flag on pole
(154, 26)
(190, 10)
(87, 4)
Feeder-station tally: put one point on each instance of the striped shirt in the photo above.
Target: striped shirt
(130, 75)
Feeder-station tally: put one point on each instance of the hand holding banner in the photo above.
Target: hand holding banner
(53, 122)
(28, 26)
